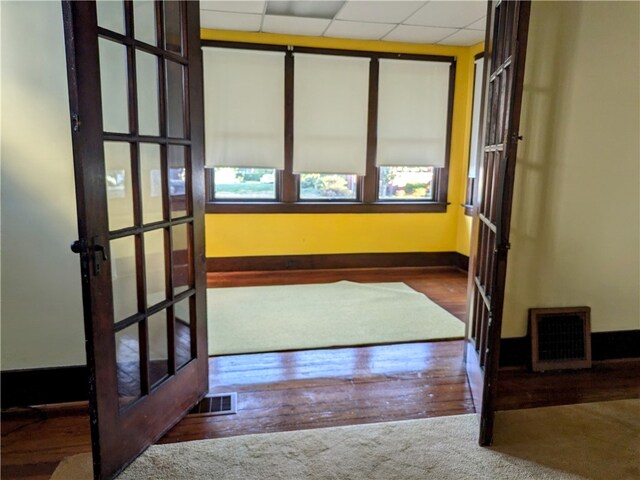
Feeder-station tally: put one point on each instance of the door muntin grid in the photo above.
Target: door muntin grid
(495, 158)
(147, 171)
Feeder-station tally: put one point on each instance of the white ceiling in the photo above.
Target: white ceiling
(445, 22)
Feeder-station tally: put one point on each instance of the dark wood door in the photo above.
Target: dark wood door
(135, 84)
(507, 27)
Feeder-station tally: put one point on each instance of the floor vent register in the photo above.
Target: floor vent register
(216, 404)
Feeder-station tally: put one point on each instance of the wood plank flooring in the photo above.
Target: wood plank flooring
(333, 387)
(444, 285)
(276, 392)
(321, 388)
(286, 391)
(612, 380)
(33, 445)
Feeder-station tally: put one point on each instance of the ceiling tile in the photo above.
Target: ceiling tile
(464, 38)
(378, 11)
(368, 31)
(294, 25)
(237, 6)
(230, 21)
(448, 14)
(479, 25)
(411, 34)
(307, 8)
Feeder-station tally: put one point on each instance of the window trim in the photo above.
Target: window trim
(287, 186)
(472, 184)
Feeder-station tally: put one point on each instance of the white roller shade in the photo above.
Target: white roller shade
(413, 98)
(244, 108)
(331, 96)
(475, 153)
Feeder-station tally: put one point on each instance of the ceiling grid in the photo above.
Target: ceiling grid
(444, 22)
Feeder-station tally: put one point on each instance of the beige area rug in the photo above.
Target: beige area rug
(588, 441)
(288, 317)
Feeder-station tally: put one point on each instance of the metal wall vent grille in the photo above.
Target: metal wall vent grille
(216, 404)
(560, 338)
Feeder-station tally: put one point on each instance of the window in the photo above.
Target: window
(475, 149)
(292, 129)
(328, 186)
(244, 183)
(406, 183)
(244, 127)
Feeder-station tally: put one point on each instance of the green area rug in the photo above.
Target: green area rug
(589, 441)
(289, 317)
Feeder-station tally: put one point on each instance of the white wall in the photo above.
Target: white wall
(41, 295)
(576, 217)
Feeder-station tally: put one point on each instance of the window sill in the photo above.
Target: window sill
(326, 207)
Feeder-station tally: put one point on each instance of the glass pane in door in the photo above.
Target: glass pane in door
(151, 182)
(111, 15)
(117, 160)
(158, 347)
(178, 187)
(114, 86)
(154, 261)
(173, 26)
(147, 85)
(182, 312)
(175, 100)
(128, 364)
(181, 254)
(144, 18)
(123, 278)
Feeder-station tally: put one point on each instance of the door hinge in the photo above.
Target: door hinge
(502, 248)
(75, 122)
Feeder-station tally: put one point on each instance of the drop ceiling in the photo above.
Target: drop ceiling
(444, 22)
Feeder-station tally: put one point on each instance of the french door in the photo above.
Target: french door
(507, 27)
(135, 87)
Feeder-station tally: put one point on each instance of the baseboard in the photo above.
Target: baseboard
(39, 386)
(334, 261)
(516, 352)
(462, 261)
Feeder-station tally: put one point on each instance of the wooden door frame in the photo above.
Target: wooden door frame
(484, 384)
(190, 383)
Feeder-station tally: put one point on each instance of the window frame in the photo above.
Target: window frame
(472, 184)
(367, 201)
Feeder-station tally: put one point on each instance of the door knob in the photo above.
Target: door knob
(79, 246)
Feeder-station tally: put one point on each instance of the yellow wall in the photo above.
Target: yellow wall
(298, 234)
(576, 211)
(282, 234)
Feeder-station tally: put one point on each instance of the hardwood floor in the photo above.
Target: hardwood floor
(33, 443)
(444, 285)
(330, 387)
(333, 387)
(612, 380)
(276, 392)
(286, 391)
